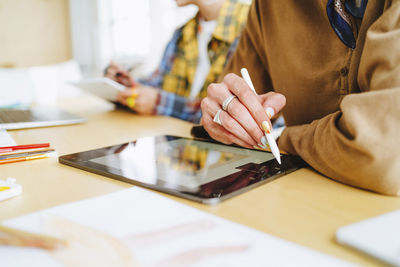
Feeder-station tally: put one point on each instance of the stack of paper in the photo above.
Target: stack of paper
(136, 227)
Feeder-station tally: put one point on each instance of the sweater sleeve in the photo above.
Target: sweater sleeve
(247, 55)
(359, 145)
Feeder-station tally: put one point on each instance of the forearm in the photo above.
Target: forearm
(358, 145)
(247, 56)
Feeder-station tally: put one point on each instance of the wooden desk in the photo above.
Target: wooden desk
(302, 207)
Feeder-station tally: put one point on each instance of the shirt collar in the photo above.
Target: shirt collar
(230, 21)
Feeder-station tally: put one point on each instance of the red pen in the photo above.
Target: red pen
(24, 147)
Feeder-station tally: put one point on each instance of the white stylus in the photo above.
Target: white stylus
(269, 136)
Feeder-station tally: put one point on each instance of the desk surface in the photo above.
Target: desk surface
(303, 207)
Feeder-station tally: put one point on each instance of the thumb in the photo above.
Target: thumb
(273, 103)
(183, 2)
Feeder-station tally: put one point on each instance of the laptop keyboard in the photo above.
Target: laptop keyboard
(10, 116)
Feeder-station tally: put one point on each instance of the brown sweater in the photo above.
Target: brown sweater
(343, 105)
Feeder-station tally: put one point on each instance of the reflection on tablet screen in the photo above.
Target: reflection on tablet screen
(198, 170)
(181, 162)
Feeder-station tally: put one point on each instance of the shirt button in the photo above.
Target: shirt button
(344, 71)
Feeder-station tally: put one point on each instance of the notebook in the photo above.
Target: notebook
(12, 119)
(378, 237)
(101, 87)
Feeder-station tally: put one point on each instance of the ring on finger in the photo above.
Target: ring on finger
(227, 101)
(217, 118)
(131, 102)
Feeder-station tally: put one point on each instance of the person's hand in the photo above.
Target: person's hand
(118, 74)
(142, 99)
(246, 117)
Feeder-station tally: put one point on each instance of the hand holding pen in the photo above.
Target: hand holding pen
(117, 73)
(265, 125)
(139, 98)
(233, 113)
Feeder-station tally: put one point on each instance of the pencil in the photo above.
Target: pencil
(25, 146)
(19, 159)
(25, 154)
(19, 151)
(14, 237)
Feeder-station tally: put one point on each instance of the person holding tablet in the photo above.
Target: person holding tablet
(332, 68)
(194, 58)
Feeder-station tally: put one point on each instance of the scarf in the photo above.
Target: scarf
(339, 12)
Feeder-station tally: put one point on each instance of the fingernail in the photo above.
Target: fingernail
(270, 112)
(262, 146)
(264, 141)
(266, 127)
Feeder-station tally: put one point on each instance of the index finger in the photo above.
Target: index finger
(249, 99)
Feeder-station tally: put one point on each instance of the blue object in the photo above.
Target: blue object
(357, 12)
(339, 24)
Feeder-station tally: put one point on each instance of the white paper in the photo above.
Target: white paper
(6, 139)
(162, 232)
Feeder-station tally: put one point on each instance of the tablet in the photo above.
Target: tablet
(202, 171)
(101, 87)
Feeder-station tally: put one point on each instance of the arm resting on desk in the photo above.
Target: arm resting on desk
(360, 145)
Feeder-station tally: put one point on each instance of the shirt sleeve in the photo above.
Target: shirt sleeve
(248, 56)
(170, 104)
(359, 144)
(179, 107)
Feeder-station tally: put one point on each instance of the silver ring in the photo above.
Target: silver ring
(216, 118)
(227, 101)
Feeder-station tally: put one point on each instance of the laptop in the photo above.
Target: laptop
(12, 119)
(379, 237)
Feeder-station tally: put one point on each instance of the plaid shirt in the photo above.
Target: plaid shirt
(177, 69)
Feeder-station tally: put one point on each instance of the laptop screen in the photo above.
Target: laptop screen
(12, 119)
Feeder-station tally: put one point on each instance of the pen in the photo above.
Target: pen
(20, 151)
(4, 150)
(269, 136)
(25, 146)
(25, 154)
(19, 159)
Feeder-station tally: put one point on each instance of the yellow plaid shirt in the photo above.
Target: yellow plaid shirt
(231, 20)
(174, 76)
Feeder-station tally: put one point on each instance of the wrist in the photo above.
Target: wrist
(157, 102)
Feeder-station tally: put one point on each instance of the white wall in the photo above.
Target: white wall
(34, 32)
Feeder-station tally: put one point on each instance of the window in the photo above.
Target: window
(131, 32)
(130, 29)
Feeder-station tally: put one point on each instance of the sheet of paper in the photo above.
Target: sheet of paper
(6, 139)
(158, 232)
